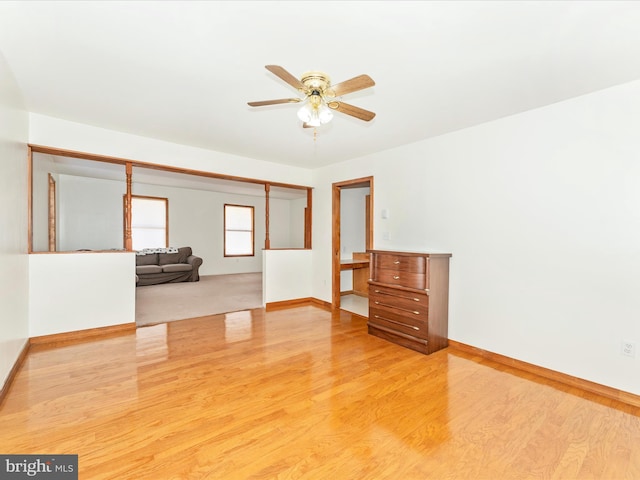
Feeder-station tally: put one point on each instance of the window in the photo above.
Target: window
(238, 231)
(149, 222)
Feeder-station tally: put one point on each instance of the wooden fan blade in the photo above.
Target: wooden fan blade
(353, 85)
(357, 112)
(286, 76)
(306, 125)
(273, 102)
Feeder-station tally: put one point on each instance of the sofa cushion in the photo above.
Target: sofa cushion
(149, 259)
(177, 267)
(144, 269)
(172, 258)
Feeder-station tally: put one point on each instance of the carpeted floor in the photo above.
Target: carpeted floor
(212, 295)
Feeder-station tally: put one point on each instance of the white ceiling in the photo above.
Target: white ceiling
(183, 71)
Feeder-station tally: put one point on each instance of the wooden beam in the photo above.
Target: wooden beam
(52, 214)
(128, 240)
(267, 241)
(308, 219)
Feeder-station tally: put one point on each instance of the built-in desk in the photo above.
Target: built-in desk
(359, 264)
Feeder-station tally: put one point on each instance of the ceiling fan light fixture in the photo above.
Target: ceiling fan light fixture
(320, 95)
(315, 113)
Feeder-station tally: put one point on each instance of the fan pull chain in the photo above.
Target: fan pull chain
(315, 134)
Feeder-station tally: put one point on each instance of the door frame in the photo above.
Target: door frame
(335, 228)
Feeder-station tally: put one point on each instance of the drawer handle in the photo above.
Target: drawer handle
(415, 299)
(415, 312)
(396, 277)
(397, 262)
(396, 322)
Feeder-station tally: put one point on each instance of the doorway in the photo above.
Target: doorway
(347, 254)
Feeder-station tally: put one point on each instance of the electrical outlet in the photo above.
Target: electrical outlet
(628, 348)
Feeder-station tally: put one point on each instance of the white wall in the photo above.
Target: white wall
(14, 270)
(78, 291)
(296, 222)
(286, 275)
(90, 213)
(279, 224)
(541, 212)
(53, 132)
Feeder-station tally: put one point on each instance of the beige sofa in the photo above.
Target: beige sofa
(154, 268)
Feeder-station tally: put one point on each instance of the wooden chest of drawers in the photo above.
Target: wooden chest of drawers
(409, 298)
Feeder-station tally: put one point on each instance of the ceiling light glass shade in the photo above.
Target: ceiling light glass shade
(315, 116)
(324, 114)
(304, 114)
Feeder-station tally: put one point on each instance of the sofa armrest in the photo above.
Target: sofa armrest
(195, 262)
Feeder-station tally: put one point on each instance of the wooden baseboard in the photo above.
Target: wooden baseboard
(321, 303)
(82, 335)
(354, 292)
(14, 370)
(586, 385)
(297, 302)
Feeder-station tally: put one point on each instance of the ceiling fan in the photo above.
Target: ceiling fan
(320, 96)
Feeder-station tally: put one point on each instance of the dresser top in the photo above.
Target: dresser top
(410, 253)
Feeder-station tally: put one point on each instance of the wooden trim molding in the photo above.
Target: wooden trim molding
(267, 240)
(29, 200)
(297, 302)
(336, 189)
(586, 385)
(128, 238)
(14, 370)
(52, 213)
(82, 335)
(307, 219)
(136, 163)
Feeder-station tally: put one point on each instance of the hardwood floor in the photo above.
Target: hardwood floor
(304, 393)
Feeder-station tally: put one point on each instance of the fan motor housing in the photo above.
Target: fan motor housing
(315, 80)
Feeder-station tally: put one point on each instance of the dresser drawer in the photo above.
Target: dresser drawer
(409, 341)
(401, 278)
(406, 323)
(398, 301)
(401, 263)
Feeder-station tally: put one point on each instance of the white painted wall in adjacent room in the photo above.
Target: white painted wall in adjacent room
(90, 213)
(14, 274)
(352, 228)
(297, 216)
(541, 212)
(352, 221)
(78, 291)
(40, 202)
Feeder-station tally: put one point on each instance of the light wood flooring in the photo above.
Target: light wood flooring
(304, 393)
